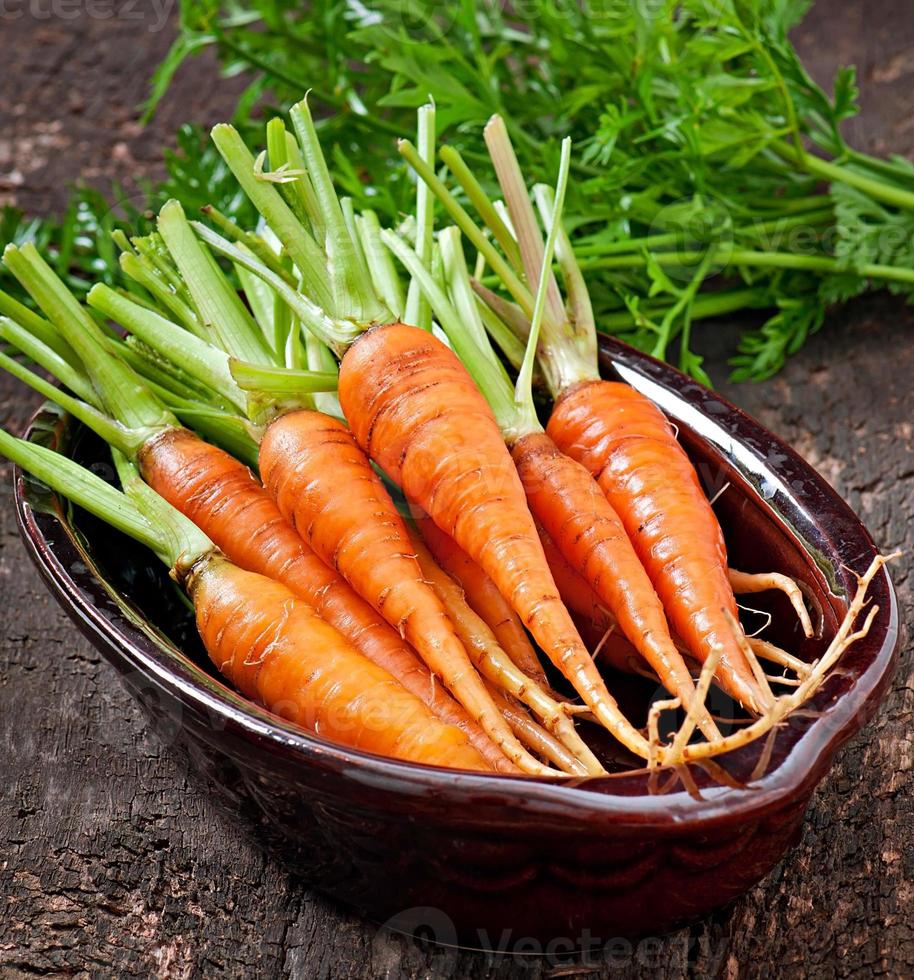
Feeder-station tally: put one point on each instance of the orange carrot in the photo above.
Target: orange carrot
(596, 624)
(582, 522)
(275, 649)
(483, 597)
(535, 737)
(495, 665)
(415, 410)
(222, 497)
(619, 435)
(574, 589)
(324, 485)
(629, 446)
(269, 643)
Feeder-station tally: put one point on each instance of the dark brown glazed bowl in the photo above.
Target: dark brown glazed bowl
(485, 859)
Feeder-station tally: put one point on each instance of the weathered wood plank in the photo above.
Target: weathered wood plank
(116, 861)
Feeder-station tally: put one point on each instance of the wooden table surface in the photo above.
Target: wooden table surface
(116, 861)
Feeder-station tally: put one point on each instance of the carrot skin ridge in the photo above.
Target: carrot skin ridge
(495, 665)
(535, 737)
(223, 498)
(415, 410)
(325, 487)
(483, 597)
(276, 650)
(628, 445)
(566, 500)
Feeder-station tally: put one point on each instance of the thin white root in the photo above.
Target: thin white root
(783, 706)
(696, 703)
(757, 612)
(719, 774)
(535, 737)
(688, 781)
(785, 681)
(775, 655)
(497, 667)
(575, 710)
(719, 494)
(609, 632)
(653, 729)
(761, 767)
(745, 583)
(760, 676)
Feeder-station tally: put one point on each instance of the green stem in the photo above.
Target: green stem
(582, 326)
(280, 380)
(885, 168)
(683, 304)
(38, 326)
(123, 393)
(523, 392)
(484, 206)
(127, 440)
(757, 259)
(704, 307)
(202, 360)
(523, 217)
(349, 216)
(298, 243)
(380, 265)
(319, 357)
(248, 238)
(218, 302)
(349, 278)
(336, 334)
(235, 435)
(466, 224)
(283, 153)
(70, 480)
(137, 270)
(48, 359)
(758, 229)
(789, 108)
(456, 278)
(503, 319)
(262, 302)
(877, 189)
(794, 205)
(418, 312)
(154, 252)
(181, 544)
(159, 373)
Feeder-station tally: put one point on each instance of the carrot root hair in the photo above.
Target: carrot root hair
(846, 636)
(745, 583)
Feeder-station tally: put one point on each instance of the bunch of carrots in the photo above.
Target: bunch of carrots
(327, 431)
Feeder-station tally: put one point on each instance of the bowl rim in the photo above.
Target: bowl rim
(110, 622)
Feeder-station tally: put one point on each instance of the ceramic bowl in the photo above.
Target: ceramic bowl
(493, 860)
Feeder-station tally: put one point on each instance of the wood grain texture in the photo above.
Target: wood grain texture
(116, 861)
